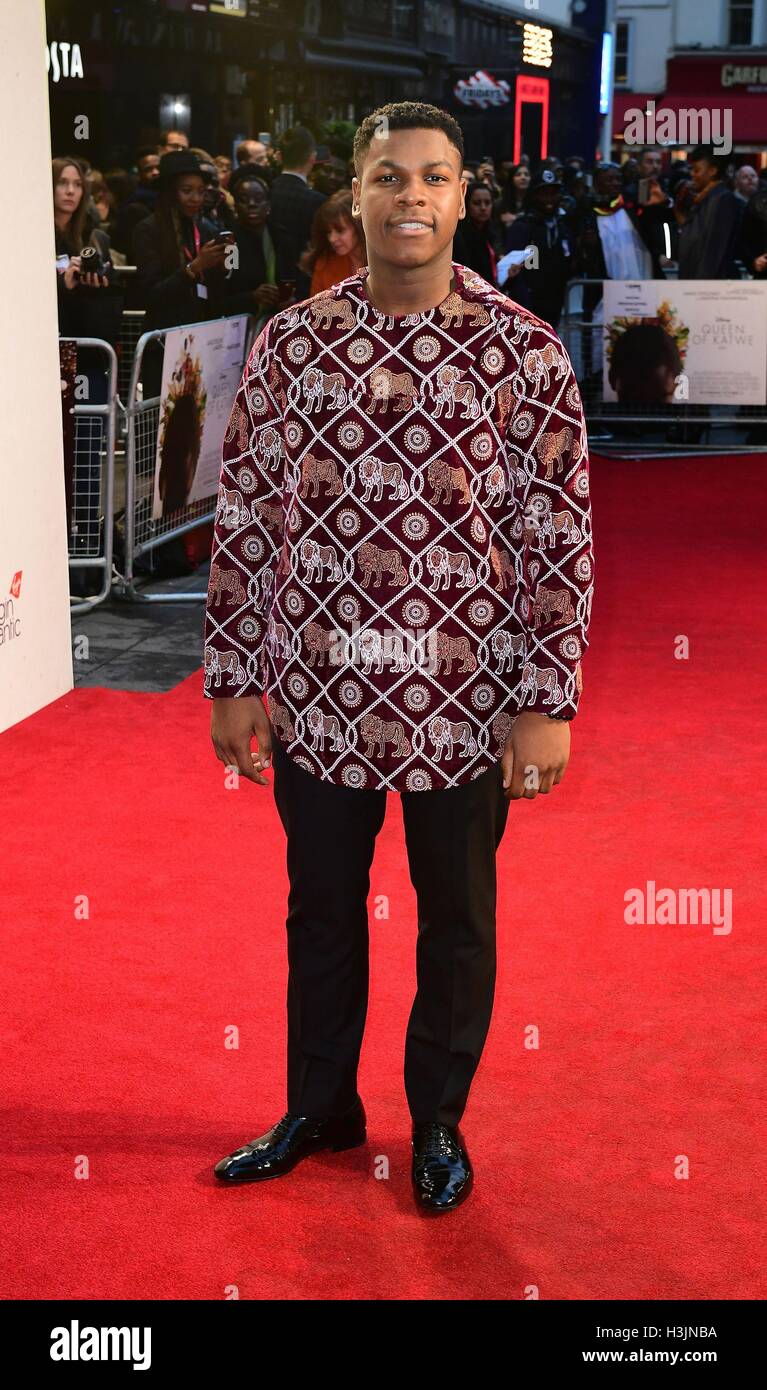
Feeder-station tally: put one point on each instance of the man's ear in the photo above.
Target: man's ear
(356, 190)
(462, 206)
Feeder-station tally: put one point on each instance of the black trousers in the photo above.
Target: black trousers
(452, 836)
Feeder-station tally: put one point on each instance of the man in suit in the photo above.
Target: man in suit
(294, 204)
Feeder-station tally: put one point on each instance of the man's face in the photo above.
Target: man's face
(650, 165)
(411, 194)
(149, 168)
(256, 152)
(175, 140)
(546, 199)
(608, 184)
(747, 181)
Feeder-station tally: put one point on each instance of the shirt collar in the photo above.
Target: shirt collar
(468, 284)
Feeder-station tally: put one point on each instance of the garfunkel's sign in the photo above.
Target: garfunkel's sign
(482, 90)
(753, 76)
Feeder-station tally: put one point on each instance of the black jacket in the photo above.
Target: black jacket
(708, 239)
(753, 234)
(293, 205)
(169, 295)
(85, 312)
(471, 247)
(542, 290)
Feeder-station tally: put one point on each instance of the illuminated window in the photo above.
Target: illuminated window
(537, 46)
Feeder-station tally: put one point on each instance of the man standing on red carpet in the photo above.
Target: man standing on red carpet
(402, 564)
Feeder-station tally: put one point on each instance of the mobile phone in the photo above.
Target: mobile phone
(643, 192)
(286, 291)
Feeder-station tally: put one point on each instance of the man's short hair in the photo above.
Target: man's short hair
(708, 155)
(297, 146)
(241, 153)
(404, 115)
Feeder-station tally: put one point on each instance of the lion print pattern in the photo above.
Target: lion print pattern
(375, 562)
(227, 582)
(315, 471)
(402, 556)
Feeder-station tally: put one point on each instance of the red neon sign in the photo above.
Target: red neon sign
(533, 91)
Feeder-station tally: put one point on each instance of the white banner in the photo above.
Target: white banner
(675, 341)
(201, 372)
(35, 635)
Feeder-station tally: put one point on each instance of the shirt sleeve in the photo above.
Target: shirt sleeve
(555, 564)
(248, 531)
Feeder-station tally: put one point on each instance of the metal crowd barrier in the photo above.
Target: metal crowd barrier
(90, 533)
(131, 328)
(615, 427)
(143, 533)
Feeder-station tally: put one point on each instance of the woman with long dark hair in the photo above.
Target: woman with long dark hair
(337, 248)
(476, 242)
(514, 196)
(89, 306)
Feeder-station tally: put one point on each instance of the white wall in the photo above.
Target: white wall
(661, 26)
(555, 11)
(36, 662)
(651, 41)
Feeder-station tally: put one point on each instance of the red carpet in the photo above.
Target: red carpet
(651, 1047)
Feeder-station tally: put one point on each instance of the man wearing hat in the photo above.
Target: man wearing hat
(542, 227)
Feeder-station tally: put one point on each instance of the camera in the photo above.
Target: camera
(91, 262)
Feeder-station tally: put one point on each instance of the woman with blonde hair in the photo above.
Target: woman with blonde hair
(337, 248)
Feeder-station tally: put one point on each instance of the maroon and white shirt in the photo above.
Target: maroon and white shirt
(402, 555)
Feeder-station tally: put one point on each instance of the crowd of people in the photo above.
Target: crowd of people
(287, 209)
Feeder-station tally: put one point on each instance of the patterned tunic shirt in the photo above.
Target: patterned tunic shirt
(402, 554)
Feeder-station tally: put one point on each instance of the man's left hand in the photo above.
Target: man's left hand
(535, 755)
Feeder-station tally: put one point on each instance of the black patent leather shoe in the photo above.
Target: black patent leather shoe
(442, 1173)
(291, 1139)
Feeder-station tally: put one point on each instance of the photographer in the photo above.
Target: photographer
(89, 306)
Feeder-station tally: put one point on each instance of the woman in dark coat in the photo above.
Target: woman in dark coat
(179, 266)
(476, 243)
(251, 288)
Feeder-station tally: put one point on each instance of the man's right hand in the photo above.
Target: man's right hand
(233, 724)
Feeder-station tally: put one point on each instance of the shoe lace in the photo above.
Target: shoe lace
(287, 1120)
(437, 1142)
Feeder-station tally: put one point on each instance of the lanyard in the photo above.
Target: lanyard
(187, 252)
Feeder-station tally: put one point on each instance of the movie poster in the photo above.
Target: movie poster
(68, 368)
(702, 342)
(201, 372)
